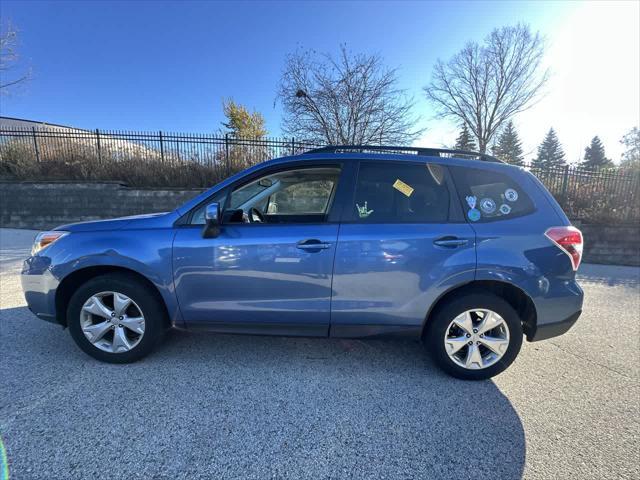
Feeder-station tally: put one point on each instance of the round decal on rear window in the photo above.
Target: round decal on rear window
(487, 205)
(511, 195)
(505, 209)
(473, 214)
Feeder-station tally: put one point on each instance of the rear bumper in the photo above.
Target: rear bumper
(550, 330)
(558, 304)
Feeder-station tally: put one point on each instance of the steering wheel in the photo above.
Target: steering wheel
(255, 216)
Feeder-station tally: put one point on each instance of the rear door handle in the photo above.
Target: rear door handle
(312, 244)
(450, 242)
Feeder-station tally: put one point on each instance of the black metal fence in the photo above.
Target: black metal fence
(594, 196)
(162, 159)
(136, 158)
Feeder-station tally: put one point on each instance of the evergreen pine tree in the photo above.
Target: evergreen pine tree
(550, 153)
(509, 147)
(465, 140)
(594, 156)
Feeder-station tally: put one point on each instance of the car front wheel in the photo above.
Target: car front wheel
(115, 318)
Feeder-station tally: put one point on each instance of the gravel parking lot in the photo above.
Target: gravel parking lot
(219, 406)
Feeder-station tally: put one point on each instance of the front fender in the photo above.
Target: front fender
(146, 252)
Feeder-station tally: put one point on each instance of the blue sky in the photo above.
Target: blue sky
(167, 65)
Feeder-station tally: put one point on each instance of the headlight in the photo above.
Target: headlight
(44, 239)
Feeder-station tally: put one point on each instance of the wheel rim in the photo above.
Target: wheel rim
(112, 322)
(476, 339)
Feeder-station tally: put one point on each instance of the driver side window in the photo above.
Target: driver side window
(302, 195)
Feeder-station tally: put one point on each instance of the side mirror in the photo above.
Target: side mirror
(212, 221)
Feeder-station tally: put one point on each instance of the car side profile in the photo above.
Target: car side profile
(455, 248)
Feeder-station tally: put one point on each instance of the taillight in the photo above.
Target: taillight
(569, 239)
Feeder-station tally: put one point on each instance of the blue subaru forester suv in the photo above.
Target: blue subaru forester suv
(454, 248)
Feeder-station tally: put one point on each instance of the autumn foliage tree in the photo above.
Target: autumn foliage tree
(241, 124)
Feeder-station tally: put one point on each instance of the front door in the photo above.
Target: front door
(270, 268)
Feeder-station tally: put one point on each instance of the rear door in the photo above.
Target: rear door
(403, 242)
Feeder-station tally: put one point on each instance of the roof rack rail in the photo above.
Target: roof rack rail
(428, 152)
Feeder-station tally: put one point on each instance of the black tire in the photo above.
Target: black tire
(444, 315)
(155, 318)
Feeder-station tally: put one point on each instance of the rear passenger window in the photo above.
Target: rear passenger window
(488, 196)
(393, 192)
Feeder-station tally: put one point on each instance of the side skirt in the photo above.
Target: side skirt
(361, 331)
(302, 330)
(248, 328)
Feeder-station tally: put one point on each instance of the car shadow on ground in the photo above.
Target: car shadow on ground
(210, 405)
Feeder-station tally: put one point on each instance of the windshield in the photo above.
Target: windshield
(246, 193)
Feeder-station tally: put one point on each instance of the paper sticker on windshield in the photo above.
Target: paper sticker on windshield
(487, 205)
(511, 195)
(403, 187)
(505, 209)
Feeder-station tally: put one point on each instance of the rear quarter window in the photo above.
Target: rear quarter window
(488, 196)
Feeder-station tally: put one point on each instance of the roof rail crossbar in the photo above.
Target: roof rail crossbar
(428, 152)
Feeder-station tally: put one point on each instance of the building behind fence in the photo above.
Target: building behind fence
(161, 159)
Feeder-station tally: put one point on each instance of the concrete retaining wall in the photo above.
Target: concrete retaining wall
(611, 244)
(46, 205)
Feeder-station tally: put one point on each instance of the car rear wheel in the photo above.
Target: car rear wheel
(474, 337)
(115, 318)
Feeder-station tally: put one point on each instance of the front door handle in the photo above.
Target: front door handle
(450, 242)
(312, 245)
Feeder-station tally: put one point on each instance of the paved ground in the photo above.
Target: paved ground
(213, 406)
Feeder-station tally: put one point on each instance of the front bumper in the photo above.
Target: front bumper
(39, 287)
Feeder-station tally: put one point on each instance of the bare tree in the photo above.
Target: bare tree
(348, 100)
(9, 58)
(631, 156)
(486, 85)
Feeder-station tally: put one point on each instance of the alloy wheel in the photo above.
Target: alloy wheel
(112, 322)
(476, 339)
